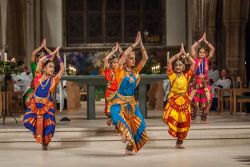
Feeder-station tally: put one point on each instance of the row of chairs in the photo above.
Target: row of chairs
(235, 96)
(13, 102)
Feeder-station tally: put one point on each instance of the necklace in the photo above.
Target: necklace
(128, 71)
(201, 67)
(41, 83)
(129, 74)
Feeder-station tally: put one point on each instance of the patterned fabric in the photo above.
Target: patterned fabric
(177, 113)
(125, 113)
(40, 114)
(200, 90)
(111, 90)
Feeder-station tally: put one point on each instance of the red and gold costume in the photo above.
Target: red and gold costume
(177, 112)
(111, 90)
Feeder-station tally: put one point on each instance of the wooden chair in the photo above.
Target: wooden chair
(224, 99)
(15, 102)
(239, 96)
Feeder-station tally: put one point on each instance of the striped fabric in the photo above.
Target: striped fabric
(178, 116)
(40, 114)
(177, 113)
(126, 117)
(203, 94)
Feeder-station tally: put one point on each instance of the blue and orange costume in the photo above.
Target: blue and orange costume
(111, 90)
(124, 111)
(40, 113)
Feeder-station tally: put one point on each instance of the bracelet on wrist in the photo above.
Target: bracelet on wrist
(143, 49)
(60, 60)
(48, 56)
(133, 47)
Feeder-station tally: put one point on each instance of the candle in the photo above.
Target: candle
(5, 56)
(167, 56)
(64, 60)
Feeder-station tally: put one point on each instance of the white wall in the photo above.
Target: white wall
(176, 22)
(52, 22)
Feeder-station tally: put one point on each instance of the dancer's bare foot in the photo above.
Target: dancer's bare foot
(109, 121)
(124, 138)
(204, 122)
(179, 146)
(127, 152)
(45, 146)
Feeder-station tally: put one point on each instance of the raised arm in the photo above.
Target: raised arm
(106, 59)
(144, 54)
(191, 60)
(193, 47)
(130, 48)
(173, 58)
(49, 51)
(33, 56)
(44, 58)
(61, 71)
(211, 53)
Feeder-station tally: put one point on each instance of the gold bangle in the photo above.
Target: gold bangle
(133, 47)
(143, 50)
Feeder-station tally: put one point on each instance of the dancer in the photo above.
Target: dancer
(37, 54)
(200, 91)
(177, 114)
(110, 63)
(124, 111)
(40, 113)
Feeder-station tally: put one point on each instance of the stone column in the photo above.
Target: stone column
(3, 14)
(234, 22)
(16, 29)
(202, 14)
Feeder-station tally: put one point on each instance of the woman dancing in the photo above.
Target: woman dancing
(40, 114)
(177, 114)
(200, 91)
(124, 111)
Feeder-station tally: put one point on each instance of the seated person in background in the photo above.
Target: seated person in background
(223, 83)
(22, 81)
(213, 73)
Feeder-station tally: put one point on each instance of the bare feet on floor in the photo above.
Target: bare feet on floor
(45, 146)
(179, 146)
(127, 152)
(109, 122)
(204, 122)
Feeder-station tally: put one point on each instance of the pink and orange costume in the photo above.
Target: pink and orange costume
(200, 90)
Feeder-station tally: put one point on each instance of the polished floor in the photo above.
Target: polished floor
(225, 141)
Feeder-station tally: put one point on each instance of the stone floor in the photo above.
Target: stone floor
(225, 141)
